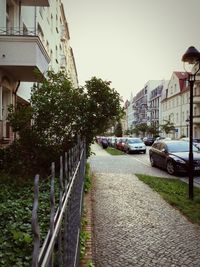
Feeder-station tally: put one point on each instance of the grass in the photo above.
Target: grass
(175, 192)
(114, 152)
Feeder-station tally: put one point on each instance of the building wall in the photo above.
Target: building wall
(175, 106)
(49, 24)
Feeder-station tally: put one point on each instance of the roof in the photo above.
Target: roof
(182, 76)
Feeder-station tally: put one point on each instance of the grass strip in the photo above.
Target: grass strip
(114, 152)
(175, 192)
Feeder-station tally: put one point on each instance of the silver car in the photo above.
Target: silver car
(134, 145)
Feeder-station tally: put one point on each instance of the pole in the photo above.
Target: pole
(191, 171)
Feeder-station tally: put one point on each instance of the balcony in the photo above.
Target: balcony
(21, 54)
(196, 99)
(35, 2)
(196, 119)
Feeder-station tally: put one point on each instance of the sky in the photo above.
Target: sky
(130, 42)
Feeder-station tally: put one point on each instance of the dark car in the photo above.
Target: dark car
(148, 141)
(104, 143)
(173, 156)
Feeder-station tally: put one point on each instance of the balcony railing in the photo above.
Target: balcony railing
(23, 51)
(18, 31)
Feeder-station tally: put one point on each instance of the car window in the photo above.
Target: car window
(134, 141)
(180, 147)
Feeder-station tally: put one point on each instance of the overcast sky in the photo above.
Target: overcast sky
(130, 42)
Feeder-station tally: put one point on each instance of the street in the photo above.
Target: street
(138, 163)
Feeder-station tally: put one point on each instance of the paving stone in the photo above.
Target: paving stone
(134, 226)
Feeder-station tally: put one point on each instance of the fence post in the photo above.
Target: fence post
(61, 246)
(52, 204)
(60, 260)
(35, 225)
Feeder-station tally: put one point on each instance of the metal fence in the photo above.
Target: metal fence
(61, 245)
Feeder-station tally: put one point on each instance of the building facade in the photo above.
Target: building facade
(175, 104)
(34, 35)
(145, 103)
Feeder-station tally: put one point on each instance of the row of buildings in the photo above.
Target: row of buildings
(34, 35)
(162, 101)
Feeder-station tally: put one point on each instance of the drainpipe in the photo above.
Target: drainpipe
(19, 16)
(15, 101)
(35, 20)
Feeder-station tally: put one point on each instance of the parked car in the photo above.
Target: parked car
(134, 145)
(112, 141)
(173, 156)
(120, 144)
(148, 141)
(104, 143)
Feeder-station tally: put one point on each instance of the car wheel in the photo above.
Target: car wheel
(144, 151)
(170, 167)
(152, 162)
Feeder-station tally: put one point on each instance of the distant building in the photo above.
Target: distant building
(143, 111)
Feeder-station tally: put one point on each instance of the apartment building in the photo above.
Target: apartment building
(34, 35)
(129, 112)
(165, 101)
(145, 104)
(175, 104)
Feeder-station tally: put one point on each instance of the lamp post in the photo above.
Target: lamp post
(192, 57)
(187, 124)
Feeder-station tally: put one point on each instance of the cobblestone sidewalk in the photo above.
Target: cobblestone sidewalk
(134, 226)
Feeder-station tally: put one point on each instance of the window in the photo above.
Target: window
(51, 23)
(47, 46)
(56, 56)
(195, 111)
(57, 23)
(171, 91)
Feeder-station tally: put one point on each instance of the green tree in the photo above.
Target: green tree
(60, 113)
(167, 127)
(101, 110)
(118, 129)
(153, 130)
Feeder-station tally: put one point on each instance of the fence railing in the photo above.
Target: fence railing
(61, 245)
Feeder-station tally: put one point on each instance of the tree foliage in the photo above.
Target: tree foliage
(118, 129)
(59, 114)
(168, 126)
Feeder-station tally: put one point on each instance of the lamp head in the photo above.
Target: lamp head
(191, 56)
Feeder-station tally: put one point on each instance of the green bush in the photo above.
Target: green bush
(16, 201)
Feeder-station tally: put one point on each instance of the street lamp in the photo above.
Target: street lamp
(192, 57)
(187, 124)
